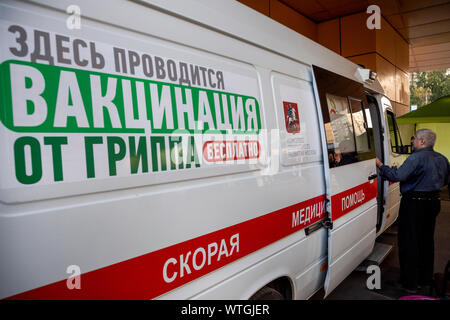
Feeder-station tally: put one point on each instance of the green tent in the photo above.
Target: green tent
(434, 116)
(435, 112)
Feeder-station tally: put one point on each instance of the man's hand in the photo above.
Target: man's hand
(378, 162)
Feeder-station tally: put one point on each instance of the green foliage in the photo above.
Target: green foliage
(429, 86)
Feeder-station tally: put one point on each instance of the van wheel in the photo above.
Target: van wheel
(267, 293)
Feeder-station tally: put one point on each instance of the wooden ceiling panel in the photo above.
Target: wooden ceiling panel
(435, 56)
(307, 8)
(426, 29)
(431, 39)
(441, 47)
(396, 21)
(321, 10)
(428, 63)
(388, 7)
(425, 24)
(426, 15)
(430, 67)
(411, 5)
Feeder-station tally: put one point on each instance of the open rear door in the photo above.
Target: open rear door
(350, 172)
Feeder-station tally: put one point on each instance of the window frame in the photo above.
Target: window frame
(397, 135)
(330, 83)
(371, 153)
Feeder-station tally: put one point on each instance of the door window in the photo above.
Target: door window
(362, 123)
(348, 131)
(339, 132)
(396, 139)
(346, 117)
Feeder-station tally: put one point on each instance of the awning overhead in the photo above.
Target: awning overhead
(435, 112)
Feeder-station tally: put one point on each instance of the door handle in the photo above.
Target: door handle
(372, 176)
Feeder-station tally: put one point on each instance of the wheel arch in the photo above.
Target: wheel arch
(282, 284)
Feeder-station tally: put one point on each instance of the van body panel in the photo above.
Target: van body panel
(156, 187)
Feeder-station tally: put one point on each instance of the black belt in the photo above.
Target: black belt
(423, 195)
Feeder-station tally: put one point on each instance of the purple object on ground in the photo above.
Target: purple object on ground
(416, 297)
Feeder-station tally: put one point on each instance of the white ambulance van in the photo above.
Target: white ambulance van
(183, 149)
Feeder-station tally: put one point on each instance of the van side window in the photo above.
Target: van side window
(396, 139)
(362, 123)
(346, 117)
(339, 132)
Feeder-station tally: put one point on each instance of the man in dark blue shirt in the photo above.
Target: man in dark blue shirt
(421, 178)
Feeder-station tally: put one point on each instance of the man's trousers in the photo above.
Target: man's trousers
(416, 223)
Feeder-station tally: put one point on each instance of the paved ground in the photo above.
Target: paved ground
(354, 287)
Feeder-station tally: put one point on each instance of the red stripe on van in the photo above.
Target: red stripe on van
(348, 200)
(143, 277)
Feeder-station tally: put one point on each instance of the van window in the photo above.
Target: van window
(396, 139)
(339, 132)
(362, 123)
(346, 118)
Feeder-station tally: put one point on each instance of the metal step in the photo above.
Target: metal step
(379, 253)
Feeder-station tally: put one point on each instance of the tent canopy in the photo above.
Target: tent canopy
(435, 112)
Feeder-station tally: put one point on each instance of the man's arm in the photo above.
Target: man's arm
(400, 174)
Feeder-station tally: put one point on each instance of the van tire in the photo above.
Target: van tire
(267, 293)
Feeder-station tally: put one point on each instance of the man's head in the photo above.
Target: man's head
(424, 138)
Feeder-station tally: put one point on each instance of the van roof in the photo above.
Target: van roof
(239, 21)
